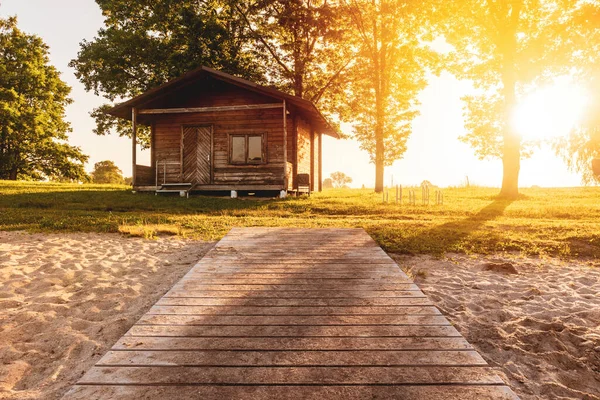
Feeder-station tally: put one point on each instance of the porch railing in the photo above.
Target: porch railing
(164, 165)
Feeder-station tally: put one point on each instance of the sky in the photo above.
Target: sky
(434, 151)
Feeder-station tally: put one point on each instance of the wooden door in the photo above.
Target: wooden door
(196, 155)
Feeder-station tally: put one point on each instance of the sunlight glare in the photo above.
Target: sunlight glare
(550, 111)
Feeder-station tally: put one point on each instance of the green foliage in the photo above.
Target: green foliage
(146, 43)
(387, 75)
(578, 150)
(303, 44)
(33, 132)
(107, 172)
(582, 37)
(503, 47)
(293, 45)
(340, 180)
(563, 222)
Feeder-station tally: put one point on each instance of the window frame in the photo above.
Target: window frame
(246, 137)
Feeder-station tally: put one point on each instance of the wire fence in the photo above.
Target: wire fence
(438, 195)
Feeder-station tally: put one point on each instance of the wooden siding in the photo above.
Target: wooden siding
(303, 147)
(144, 175)
(266, 122)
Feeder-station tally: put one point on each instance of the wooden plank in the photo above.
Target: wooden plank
(314, 265)
(269, 310)
(293, 320)
(296, 375)
(291, 358)
(150, 111)
(292, 294)
(292, 281)
(292, 331)
(240, 273)
(294, 302)
(198, 285)
(299, 267)
(266, 392)
(237, 274)
(285, 343)
(295, 260)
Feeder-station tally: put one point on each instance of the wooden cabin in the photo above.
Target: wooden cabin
(211, 131)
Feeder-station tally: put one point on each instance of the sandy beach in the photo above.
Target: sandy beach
(537, 321)
(66, 298)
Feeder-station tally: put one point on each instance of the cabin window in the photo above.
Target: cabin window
(246, 149)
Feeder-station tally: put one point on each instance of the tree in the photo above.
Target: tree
(327, 183)
(582, 38)
(146, 43)
(107, 172)
(302, 44)
(33, 132)
(502, 46)
(340, 180)
(293, 45)
(388, 74)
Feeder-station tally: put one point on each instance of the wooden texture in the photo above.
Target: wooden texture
(274, 313)
(208, 109)
(144, 175)
(197, 144)
(320, 161)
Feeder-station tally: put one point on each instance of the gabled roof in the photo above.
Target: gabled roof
(305, 107)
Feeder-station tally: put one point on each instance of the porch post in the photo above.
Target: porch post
(133, 144)
(320, 162)
(312, 159)
(285, 146)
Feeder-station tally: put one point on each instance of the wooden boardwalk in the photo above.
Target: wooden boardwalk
(274, 313)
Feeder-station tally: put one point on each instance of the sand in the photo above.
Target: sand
(539, 327)
(66, 298)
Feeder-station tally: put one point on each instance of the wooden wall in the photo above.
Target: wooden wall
(144, 175)
(303, 147)
(266, 122)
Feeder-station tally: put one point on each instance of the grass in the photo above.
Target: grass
(557, 222)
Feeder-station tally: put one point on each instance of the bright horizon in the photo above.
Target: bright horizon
(434, 151)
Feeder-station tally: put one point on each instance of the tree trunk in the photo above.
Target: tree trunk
(379, 112)
(13, 174)
(379, 148)
(511, 163)
(511, 153)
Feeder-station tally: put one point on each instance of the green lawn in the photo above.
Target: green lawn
(563, 222)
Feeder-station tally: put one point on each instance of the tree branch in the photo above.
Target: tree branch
(317, 96)
(263, 41)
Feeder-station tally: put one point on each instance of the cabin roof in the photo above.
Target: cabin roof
(305, 107)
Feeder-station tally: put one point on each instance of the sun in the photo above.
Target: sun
(550, 111)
